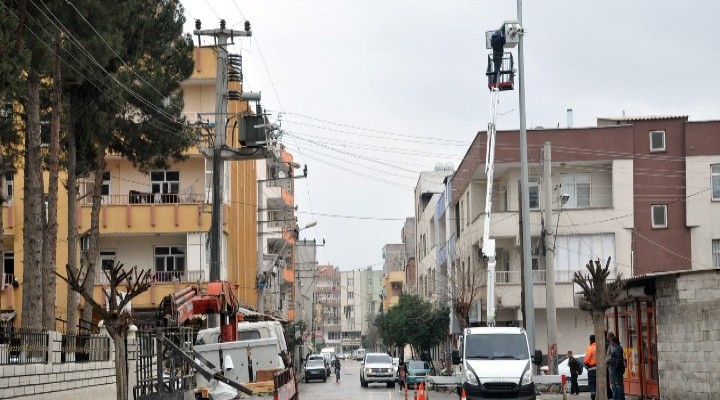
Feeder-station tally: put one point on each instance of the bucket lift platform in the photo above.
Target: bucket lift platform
(506, 78)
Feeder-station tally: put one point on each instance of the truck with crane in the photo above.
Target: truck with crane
(224, 362)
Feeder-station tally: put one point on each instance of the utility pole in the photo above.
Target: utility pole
(549, 263)
(220, 37)
(527, 267)
(260, 252)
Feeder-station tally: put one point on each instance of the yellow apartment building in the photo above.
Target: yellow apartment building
(158, 220)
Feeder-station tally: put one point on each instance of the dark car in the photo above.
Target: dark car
(325, 361)
(315, 369)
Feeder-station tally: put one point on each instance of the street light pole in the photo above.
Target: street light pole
(525, 209)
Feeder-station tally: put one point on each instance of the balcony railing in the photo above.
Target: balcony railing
(7, 280)
(539, 276)
(137, 197)
(163, 276)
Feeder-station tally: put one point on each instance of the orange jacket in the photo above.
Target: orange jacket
(591, 356)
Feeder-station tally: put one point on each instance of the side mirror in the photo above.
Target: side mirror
(537, 358)
(456, 359)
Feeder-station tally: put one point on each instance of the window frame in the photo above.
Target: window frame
(107, 255)
(652, 216)
(715, 251)
(715, 182)
(534, 182)
(9, 189)
(573, 192)
(170, 254)
(664, 142)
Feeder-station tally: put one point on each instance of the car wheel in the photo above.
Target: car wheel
(307, 380)
(325, 380)
(363, 383)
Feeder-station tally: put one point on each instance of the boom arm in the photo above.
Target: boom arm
(488, 248)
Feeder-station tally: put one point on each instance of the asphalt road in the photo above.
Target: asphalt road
(349, 389)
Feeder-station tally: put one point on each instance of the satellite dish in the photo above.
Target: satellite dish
(449, 167)
(439, 167)
(281, 174)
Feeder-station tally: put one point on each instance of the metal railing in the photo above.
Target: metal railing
(137, 197)
(84, 348)
(23, 346)
(539, 276)
(162, 276)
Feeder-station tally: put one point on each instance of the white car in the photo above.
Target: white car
(564, 369)
(377, 368)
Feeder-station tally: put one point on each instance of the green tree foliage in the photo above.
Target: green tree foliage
(599, 295)
(413, 321)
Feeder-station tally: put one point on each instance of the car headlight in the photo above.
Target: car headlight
(367, 370)
(471, 378)
(526, 378)
(389, 370)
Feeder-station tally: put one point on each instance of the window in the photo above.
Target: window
(716, 253)
(657, 141)
(534, 190)
(165, 186)
(350, 295)
(169, 259)
(350, 283)
(9, 267)
(106, 183)
(578, 187)
(208, 180)
(467, 208)
(659, 216)
(715, 181)
(9, 188)
(107, 259)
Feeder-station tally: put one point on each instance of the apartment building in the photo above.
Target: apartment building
(641, 191)
(277, 234)
(408, 239)
(157, 220)
(428, 191)
(328, 309)
(354, 309)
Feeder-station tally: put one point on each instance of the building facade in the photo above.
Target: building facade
(328, 310)
(157, 221)
(638, 191)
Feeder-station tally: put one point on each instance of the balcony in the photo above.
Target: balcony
(163, 277)
(539, 276)
(138, 197)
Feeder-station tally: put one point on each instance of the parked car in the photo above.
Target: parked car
(564, 369)
(325, 361)
(377, 368)
(340, 355)
(417, 370)
(315, 369)
(330, 357)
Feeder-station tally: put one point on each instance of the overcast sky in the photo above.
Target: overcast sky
(375, 91)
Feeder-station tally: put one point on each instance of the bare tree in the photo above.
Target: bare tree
(115, 317)
(466, 286)
(599, 295)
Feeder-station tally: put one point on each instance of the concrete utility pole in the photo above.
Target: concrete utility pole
(221, 37)
(527, 267)
(550, 263)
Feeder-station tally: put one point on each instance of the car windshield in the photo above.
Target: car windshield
(316, 363)
(378, 359)
(414, 364)
(496, 346)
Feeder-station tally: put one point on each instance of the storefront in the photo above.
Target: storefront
(635, 324)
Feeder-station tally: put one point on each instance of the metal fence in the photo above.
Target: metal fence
(81, 348)
(23, 346)
(159, 371)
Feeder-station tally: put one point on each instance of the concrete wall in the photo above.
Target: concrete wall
(59, 381)
(688, 329)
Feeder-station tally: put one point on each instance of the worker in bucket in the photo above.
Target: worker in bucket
(497, 42)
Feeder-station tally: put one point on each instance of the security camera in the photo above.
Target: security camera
(564, 198)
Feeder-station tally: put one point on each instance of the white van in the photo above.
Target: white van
(496, 362)
(360, 354)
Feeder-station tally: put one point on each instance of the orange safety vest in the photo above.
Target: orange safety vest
(590, 356)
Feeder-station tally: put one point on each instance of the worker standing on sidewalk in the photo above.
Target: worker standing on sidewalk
(591, 365)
